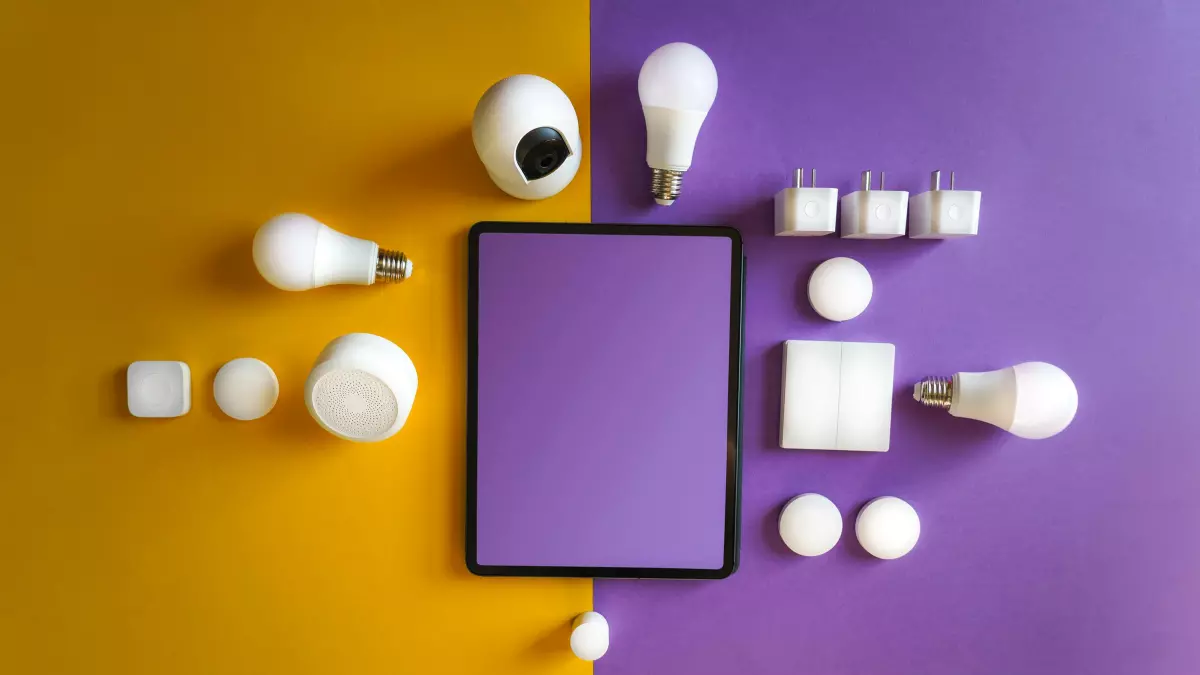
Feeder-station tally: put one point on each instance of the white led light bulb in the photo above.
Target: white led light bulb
(677, 86)
(295, 253)
(1032, 400)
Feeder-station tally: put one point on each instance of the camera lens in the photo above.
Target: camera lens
(540, 152)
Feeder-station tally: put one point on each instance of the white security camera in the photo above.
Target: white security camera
(527, 135)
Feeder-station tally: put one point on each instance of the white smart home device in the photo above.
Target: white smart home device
(158, 388)
(888, 527)
(840, 289)
(943, 214)
(677, 86)
(526, 133)
(361, 388)
(837, 395)
(810, 524)
(874, 214)
(295, 252)
(805, 211)
(1032, 400)
(589, 636)
(245, 389)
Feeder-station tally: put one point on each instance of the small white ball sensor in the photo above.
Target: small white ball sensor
(245, 389)
(840, 289)
(810, 524)
(888, 527)
(589, 636)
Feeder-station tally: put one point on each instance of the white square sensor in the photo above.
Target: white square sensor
(837, 395)
(158, 388)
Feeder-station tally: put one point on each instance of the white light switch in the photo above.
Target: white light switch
(811, 385)
(837, 395)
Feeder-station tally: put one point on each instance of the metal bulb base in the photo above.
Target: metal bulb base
(935, 392)
(392, 267)
(665, 184)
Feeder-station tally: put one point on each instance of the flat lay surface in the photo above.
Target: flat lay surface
(145, 143)
(1077, 121)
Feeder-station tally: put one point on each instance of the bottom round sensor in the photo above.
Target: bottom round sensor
(810, 524)
(245, 389)
(589, 636)
(840, 289)
(888, 527)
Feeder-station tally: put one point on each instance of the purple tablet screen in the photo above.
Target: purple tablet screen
(603, 400)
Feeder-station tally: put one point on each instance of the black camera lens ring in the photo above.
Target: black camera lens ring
(540, 152)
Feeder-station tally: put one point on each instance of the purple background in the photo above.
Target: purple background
(1080, 122)
(603, 400)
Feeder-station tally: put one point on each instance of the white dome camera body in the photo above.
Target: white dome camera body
(527, 135)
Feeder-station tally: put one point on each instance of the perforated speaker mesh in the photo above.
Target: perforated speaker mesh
(355, 404)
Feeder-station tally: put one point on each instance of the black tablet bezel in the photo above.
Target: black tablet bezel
(733, 469)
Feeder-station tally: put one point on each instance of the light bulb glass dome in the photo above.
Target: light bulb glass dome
(678, 76)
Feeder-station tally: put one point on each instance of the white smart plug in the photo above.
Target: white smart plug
(943, 214)
(805, 211)
(874, 214)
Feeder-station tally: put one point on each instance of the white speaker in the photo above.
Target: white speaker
(361, 388)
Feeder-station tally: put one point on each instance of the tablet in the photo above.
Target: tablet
(604, 400)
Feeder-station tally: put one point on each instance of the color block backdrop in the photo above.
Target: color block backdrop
(1078, 121)
(143, 143)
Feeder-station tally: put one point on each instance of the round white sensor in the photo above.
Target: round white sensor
(810, 524)
(589, 636)
(245, 389)
(888, 527)
(840, 289)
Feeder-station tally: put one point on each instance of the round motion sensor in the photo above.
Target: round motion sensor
(589, 636)
(245, 389)
(810, 524)
(840, 289)
(888, 527)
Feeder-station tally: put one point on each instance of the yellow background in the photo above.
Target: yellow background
(143, 143)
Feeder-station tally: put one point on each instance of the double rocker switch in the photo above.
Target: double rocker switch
(837, 395)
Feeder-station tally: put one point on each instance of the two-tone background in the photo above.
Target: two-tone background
(142, 143)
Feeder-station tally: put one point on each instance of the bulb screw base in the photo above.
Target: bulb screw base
(665, 184)
(935, 392)
(392, 267)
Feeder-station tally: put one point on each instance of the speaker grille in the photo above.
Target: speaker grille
(355, 404)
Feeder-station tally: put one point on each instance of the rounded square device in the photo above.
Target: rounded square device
(837, 395)
(158, 388)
